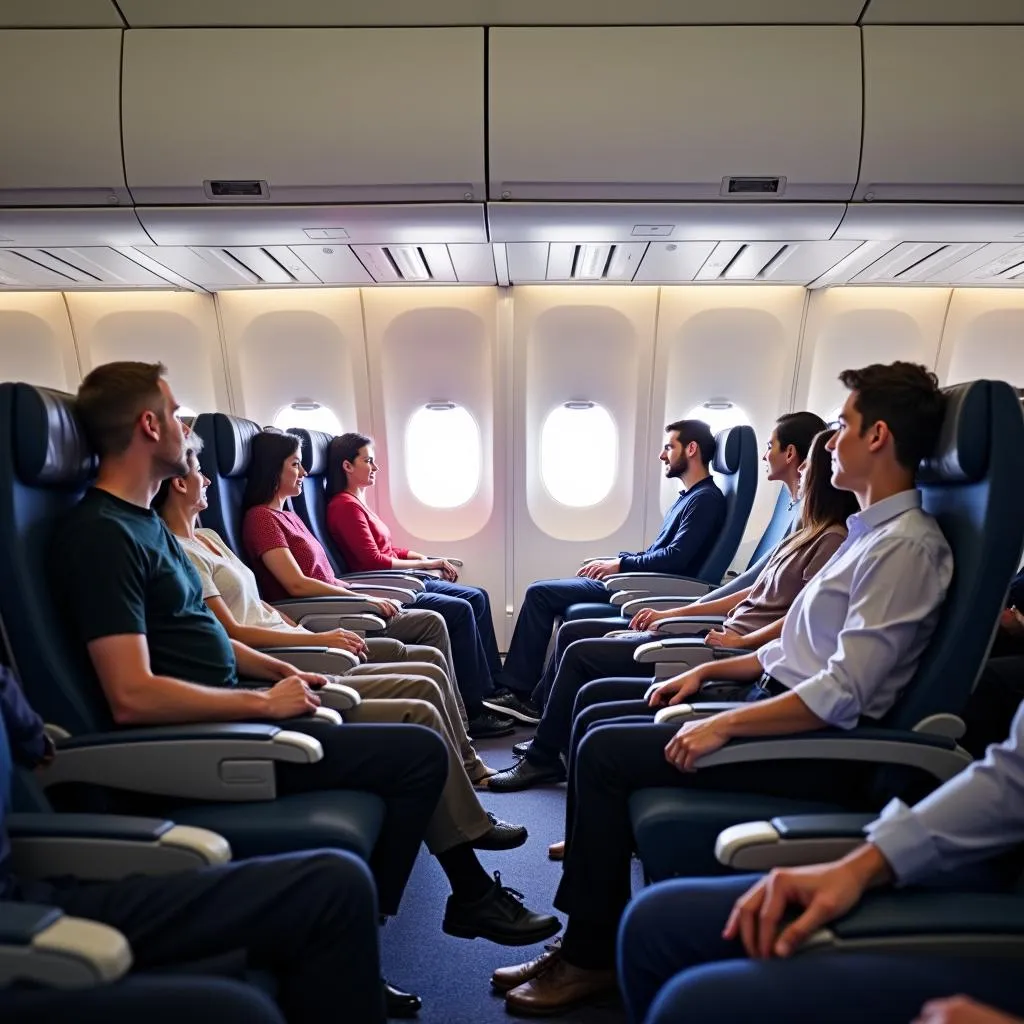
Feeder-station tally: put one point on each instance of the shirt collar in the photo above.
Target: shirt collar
(882, 511)
(709, 479)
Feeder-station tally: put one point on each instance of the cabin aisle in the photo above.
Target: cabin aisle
(453, 975)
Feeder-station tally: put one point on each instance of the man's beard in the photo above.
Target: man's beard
(678, 469)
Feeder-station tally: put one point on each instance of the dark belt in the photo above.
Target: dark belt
(766, 687)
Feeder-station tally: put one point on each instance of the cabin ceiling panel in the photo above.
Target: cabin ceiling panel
(59, 14)
(944, 12)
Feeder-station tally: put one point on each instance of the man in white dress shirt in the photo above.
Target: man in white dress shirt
(675, 955)
(852, 641)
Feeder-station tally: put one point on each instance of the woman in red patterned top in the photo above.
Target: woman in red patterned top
(289, 561)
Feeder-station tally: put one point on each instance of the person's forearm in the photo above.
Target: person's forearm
(306, 586)
(720, 606)
(417, 562)
(870, 867)
(742, 669)
(263, 636)
(162, 700)
(256, 665)
(775, 716)
(757, 639)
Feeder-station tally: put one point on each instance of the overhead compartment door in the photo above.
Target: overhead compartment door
(942, 114)
(674, 113)
(60, 137)
(304, 116)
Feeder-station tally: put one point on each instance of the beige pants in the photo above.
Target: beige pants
(459, 818)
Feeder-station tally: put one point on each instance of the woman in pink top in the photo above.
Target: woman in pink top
(289, 561)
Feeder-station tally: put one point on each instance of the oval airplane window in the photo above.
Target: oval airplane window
(187, 415)
(719, 415)
(578, 454)
(443, 457)
(308, 415)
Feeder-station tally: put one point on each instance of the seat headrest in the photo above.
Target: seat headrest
(727, 451)
(50, 446)
(315, 449)
(233, 439)
(961, 452)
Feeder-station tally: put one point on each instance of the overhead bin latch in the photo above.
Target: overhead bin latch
(233, 191)
(753, 186)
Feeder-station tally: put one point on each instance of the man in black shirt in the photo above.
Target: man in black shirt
(160, 655)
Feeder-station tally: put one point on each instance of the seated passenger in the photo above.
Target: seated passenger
(309, 918)
(364, 540)
(851, 642)
(134, 602)
(784, 454)
(230, 592)
(688, 532)
(290, 562)
(684, 944)
(753, 618)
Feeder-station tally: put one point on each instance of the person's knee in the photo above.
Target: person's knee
(588, 697)
(422, 712)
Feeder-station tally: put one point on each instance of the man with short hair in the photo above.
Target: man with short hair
(134, 601)
(688, 532)
(588, 649)
(851, 642)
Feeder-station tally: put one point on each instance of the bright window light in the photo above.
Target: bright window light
(578, 454)
(308, 415)
(186, 413)
(719, 415)
(443, 456)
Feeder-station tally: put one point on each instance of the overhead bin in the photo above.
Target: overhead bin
(407, 224)
(70, 226)
(60, 133)
(942, 114)
(631, 222)
(256, 116)
(724, 113)
(933, 222)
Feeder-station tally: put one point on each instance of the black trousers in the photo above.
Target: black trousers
(156, 1000)
(405, 765)
(614, 759)
(309, 918)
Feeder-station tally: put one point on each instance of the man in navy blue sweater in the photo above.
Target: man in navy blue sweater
(309, 918)
(690, 528)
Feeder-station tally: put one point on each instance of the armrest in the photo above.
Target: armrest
(689, 625)
(691, 712)
(401, 578)
(361, 624)
(40, 946)
(631, 602)
(229, 762)
(327, 660)
(339, 697)
(658, 584)
(296, 607)
(391, 593)
(790, 841)
(952, 923)
(680, 650)
(937, 755)
(102, 847)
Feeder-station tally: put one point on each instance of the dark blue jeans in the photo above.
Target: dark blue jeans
(544, 602)
(480, 602)
(473, 668)
(674, 965)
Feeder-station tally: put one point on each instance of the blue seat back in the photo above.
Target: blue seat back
(225, 459)
(974, 487)
(46, 465)
(783, 517)
(734, 469)
(311, 504)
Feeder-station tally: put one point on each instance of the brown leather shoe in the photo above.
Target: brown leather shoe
(556, 851)
(559, 987)
(505, 978)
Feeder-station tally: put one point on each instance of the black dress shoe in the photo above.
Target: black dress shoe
(520, 748)
(499, 916)
(502, 836)
(488, 724)
(524, 775)
(400, 1004)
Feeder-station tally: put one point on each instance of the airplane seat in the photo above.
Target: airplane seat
(734, 468)
(783, 516)
(225, 459)
(311, 505)
(46, 465)
(974, 486)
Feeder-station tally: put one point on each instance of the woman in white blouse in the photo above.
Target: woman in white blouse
(231, 593)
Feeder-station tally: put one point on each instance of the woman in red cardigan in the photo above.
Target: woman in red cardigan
(364, 540)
